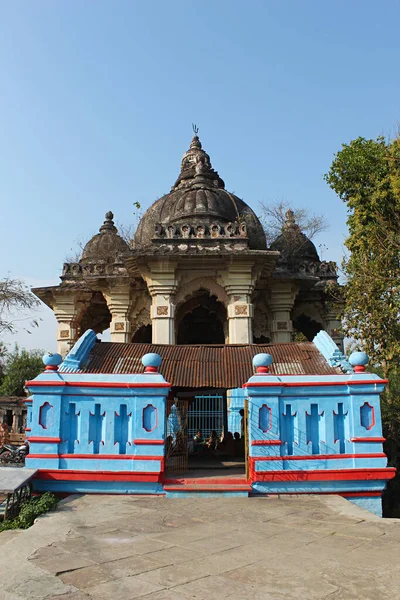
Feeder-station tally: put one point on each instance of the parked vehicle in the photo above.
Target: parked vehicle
(13, 454)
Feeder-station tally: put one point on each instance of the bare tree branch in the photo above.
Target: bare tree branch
(15, 300)
(273, 218)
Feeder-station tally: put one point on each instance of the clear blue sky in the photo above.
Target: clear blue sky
(97, 98)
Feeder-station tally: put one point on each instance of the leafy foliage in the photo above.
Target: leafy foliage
(30, 511)
(18, 367)
(366, 176)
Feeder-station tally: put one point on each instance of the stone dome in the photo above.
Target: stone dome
(293, 244)
(106, 245)
(198, 199)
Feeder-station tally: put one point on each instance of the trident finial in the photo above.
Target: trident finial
(195, 128)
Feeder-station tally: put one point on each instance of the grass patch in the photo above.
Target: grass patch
(30, 510)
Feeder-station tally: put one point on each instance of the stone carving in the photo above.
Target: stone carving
(119, 326)
(64, 334)
(241, 310)
(79, 270)
(195, 230)
(162, 310)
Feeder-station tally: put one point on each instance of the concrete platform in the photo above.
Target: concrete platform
(124, 547)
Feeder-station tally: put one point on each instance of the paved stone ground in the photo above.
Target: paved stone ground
(121, 547)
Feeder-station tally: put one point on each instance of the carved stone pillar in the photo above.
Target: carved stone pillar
(162, 287)
(16, 424)
(332, 325)
(240, 318)
(67, 312)
(239, 288)
(119, 302)
(282, 297)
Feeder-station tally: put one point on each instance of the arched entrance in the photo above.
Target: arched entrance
(201, 320)
(142, 335)
(97, 315)
(307, 326)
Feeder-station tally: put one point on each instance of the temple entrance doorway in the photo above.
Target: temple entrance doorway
(197, 435)
(201, 320)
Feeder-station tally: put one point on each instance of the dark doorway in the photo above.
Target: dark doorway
(307, 326)
(201, 320)
(200, 327)
(142, 335)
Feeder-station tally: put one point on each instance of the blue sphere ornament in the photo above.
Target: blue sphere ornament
(358, 359)
(151, 360)
(262, 360)
(52, 360)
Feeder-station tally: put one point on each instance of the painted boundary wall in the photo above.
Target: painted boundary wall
(306, 434)
(97, 433)
(317, 435)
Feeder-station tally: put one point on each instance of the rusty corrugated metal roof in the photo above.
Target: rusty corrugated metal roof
(220, 366)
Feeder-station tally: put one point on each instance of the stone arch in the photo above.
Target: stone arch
(201, 319)
(307, 326)
(307, 319)
(187, 289)
(261, 328)
(96, 315)
(141, 326)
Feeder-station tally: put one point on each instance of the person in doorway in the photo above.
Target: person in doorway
(241, 413)
(229, 445)
(212, 440)
(239, 445)
(198, 441)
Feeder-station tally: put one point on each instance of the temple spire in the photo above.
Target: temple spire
(108, 224)
(196, 168)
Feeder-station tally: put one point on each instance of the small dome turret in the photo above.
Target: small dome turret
(106, 245)
(293, 244)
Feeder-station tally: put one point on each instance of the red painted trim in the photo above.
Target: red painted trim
(112, 456)
(27, 400)
(266, 443)
(360, 494)
(324, 475)
(98, 456)
(218, 489)
(98, 384)
(319, 456)
(368, 439)
(44, 440)
(342, 494)
(72, 475)
(154, 408)
(313, 383)
(148, 442)
(373, 416)
(28, 429)
(52, 456)
(40, 414)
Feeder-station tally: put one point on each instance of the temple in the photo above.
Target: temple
(230, 401)
(198, 271)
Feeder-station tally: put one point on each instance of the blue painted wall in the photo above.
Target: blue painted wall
(88, 424)
(317, 434)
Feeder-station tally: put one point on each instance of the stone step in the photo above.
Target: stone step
(214, 481)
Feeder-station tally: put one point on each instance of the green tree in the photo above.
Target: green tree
(366, 176)
(20, 366)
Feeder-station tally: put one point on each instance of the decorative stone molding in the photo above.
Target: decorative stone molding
(79, 270)
(200, 230)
